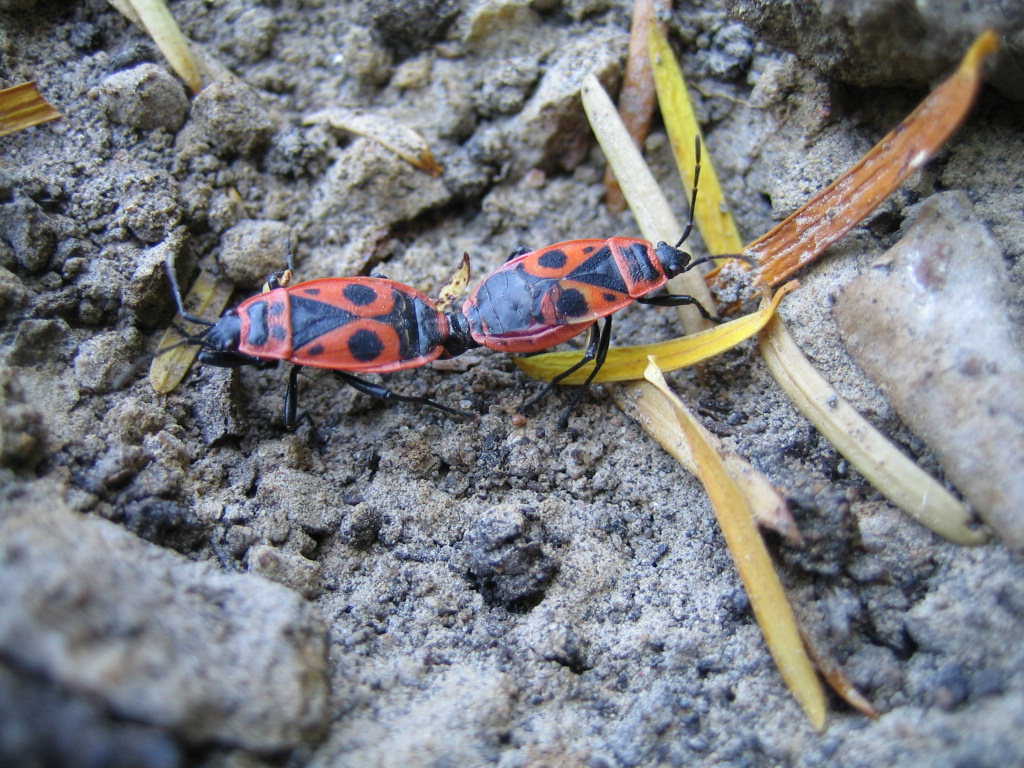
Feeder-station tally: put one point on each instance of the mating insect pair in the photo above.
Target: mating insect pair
(359, 325)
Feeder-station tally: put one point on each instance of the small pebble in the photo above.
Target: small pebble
(146, 97)
(252, 250)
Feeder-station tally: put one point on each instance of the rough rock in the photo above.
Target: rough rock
(146, 97)
(886, 42)
(252, 250)
(211, 656)
(231, 118)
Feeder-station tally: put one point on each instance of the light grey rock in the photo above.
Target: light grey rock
(213, 657)
(146, 97)
(252, 250)
(928, 322)
(887, 42)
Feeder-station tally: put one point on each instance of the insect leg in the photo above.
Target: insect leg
(592, 350)
(602, 353)
(178, 300)
(677, 300)
(292, 418)
(693, 197)
(385, 394)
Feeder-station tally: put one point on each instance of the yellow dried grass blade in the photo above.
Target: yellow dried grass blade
(399, 138)
(642, 401)
(716, 225)
(628, 363)
(767, 598)
(207, 298)
(455, 286)
(897, 477)
(22, 106)
(155, 17)
(650, 208)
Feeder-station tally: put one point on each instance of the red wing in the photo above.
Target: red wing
(558, 260)
(364, 324)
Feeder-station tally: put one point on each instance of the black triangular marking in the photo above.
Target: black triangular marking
(600, 270)
(312, 319)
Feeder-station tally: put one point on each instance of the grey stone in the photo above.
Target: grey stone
(252, 250)
(213, 657)
(230, 117)
(146, 97)
(929, 323)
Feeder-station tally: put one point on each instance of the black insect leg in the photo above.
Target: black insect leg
(602, 353)
(387, 395)
(677, 300)
(693, 196)
(292, 418)
(520, 251)
(596, 348)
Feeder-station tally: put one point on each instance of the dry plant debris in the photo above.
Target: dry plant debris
(22, 106)
(155, 17)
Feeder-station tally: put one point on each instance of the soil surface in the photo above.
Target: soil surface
(186, 583)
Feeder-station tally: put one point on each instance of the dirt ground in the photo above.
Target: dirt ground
(184, 582)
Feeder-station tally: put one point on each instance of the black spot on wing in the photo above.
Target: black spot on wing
(552, 259)
(365, 346)
(572, 303)
(360, 294)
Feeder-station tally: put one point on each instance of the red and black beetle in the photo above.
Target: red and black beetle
(540, 298)
(346, 324)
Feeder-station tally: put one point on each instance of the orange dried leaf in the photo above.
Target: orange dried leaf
(802, 237)
(637, 96)
(22, 106)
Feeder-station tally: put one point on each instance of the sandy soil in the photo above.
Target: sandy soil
(186, 583)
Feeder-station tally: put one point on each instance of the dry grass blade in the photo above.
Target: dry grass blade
(399, 138)
(650, 208)
(834, 674)
(156, 19)
(802, 237)
(716, 225)
(642, 401)
(897, 477)
(767, 597)
(207, 298)
(629, 363)
(22, 106)
(637, 97)
(455, 286)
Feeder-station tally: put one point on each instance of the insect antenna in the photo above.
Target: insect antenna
(693, 196)
(180, 302)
